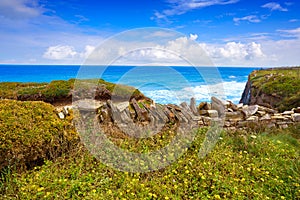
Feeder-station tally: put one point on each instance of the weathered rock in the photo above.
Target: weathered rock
(66, 110)
(218, 105)
(250, 110)
(213, 113)
(268, 110)
(204, 106)
(296, 117)
(88, 104)
(122, 105)
(261, 113)
(296, 110)
(142, 114)
(230, 110)
(193, 106)
(240, 105)
(207, 121)
(232, 106)
(266, 117)
(61, 115)
(203, 112)
(288, 112)
(279, 117)
(238, 115)
(227, 124)
(252, 119)
(200, 122)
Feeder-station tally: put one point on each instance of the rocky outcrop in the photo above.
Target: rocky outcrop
(277, 88)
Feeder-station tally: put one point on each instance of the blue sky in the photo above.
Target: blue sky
(232, 32)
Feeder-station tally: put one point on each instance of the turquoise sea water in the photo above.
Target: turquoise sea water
(163, 84)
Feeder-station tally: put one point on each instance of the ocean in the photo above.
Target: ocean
(162, 84)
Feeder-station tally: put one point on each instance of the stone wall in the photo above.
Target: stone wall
(233, 116)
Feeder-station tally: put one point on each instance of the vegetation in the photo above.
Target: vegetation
(31, 132)
(61, 91)
(243, 165)
(283, 83)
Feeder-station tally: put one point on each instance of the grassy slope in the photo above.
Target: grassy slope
(242, 165)
(59, 90)
(282, 82)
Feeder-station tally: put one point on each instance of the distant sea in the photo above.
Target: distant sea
(162, 84)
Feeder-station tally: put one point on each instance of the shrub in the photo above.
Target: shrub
(31, 132)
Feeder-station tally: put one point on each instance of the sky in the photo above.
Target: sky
(230, 32)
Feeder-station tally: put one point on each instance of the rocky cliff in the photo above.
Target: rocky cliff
(277, 88)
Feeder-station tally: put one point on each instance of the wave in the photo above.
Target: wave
(231, 90)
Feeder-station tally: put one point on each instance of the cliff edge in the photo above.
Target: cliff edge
(277, 88)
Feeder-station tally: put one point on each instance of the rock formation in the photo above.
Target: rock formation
(277, 88)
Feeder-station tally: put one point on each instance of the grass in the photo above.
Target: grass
(283, 83)
(243, 165)
(57, 91)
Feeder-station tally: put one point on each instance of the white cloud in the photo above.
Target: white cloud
(60, 52)
(193, 36)
(274, 6)
(179, 7)
(87, 51)
(292, 32)
(249, 18)
(234, 53)
(20, 9)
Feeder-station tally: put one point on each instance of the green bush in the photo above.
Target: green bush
(31, 132)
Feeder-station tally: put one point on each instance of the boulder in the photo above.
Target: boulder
(266, 117)
(238, 115)
(213, 113)
(204, 106)
(218, 105)
(203, 112)
(296, 117)
(268, 110)
(252, 119)
(87, 104)
(193, 106)
(279, 118)
(288, 112)
(240, 105)
(250, 110)
(261, 113)
(66, 110)
(122, 105)
(232, 106)
(61, 115)
(296, 110)
(142, 114)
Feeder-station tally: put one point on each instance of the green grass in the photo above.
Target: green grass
(284, 83)
(243, 165)
(57, 91)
